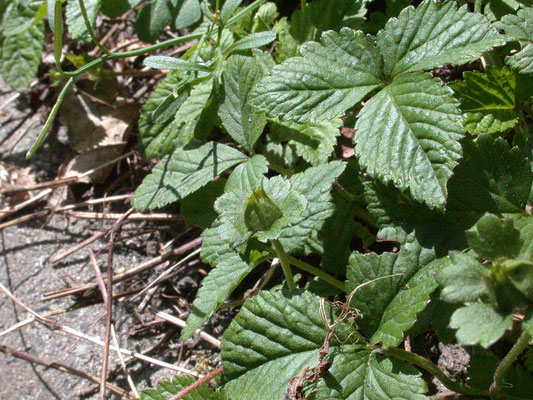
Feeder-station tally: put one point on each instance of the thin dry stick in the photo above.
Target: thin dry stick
(102, 287)
(103, 200)
(128, 274)
(198, 383)
(167, 272)
(63, 254)
(60, 367)
(136, 216)
(24, 218)
(62, 181)
(26, 203)
(54, 325)
(109, 309)
(182, 324)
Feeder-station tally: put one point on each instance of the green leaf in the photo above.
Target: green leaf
(400, 218)
(182, 173)
(152, 20)
(401, 313)
(489, 100)
(252, 40)
(229, 269)
(247, 176)
(374, 299)
(313, 142)
(189, 13)
(197, 208)
(493, 238)
(243, 123)
(322, 15)
(479, 324)
(156, 137)
(195, 116)
(166, 390)
(330, 77)
(490, 178)
(76, 23)
(20, 51)
(276, 335)
(115, 8)
(315, 185)
(408, 134)
(463, 280)
(434, 34)
(520, 27)
(229, 7)
(173, 63)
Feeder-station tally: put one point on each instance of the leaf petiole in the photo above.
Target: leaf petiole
(285, 265)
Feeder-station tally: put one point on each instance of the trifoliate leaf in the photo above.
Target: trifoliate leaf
(247, 175)
(434, 34)
(520, 273)
(520, 27)
(401, 313)
(315, 185)
(463, 280)
(184, 172)
(197, 208)
(489, 100)
(313, 142)
(76, 23)
(166, 390)
(490, 178)
(262, 212)
(525, 224)
(229, 269)
(152, 20)
(330, 77)
(393, 271)
(493, 238)
(479, 323)
(408, 134)
(243, 123)
(276, 335)
(20, 51)
(156, 135)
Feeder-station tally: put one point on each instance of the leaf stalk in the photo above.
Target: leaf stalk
(507, 362)
(425, 364)
(285, 265)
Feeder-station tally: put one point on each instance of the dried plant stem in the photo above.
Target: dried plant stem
(179, 322)
(60, 367)
(198, 383)
(55, 325)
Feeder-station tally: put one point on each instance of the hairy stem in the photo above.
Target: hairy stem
(285, 265)
(90, 28)
(415, 359)
(508, 361)
(317, 272)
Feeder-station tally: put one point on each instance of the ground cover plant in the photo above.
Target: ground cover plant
(378, 154)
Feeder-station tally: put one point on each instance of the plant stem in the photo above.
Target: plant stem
(285, 265)
(507, 361)
(457, 387)
(317, 272)
(90, 28)
(50, 120)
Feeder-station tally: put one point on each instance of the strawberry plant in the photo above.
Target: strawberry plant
(420, 225)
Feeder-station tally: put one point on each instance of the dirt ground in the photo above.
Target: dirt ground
(25, 270)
